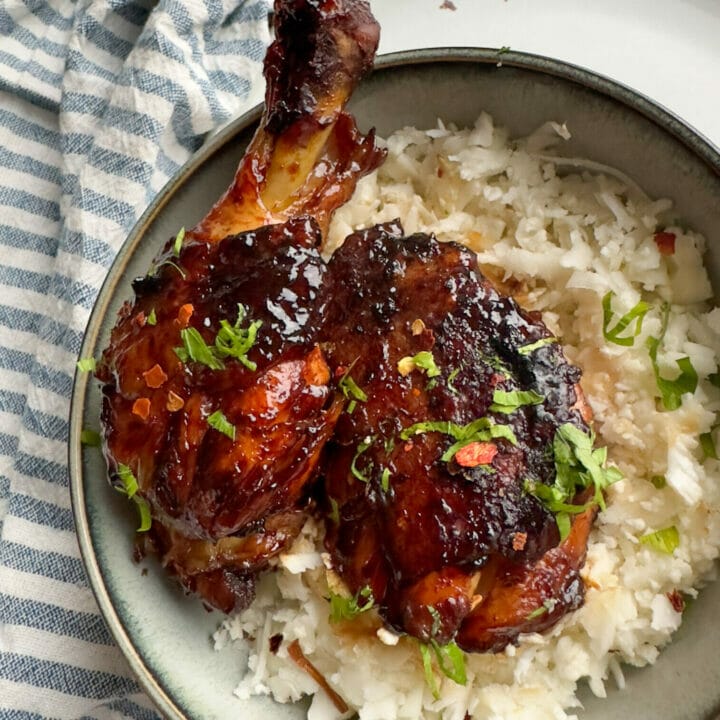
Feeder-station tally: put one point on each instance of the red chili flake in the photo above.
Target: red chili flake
(140, 319)
(155, 376)
(408, 446)
(184, 314)
(665, 242)
(448, 5)
(519, 540)
(141, 408)
(676, 600)
(416, 392)
(496, 379)
(476, 453)
(340, 370)
(174, 402)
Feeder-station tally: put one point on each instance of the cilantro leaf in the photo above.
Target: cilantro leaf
(87, 364)
(235, 341)
(450, 660)
(508, 401)
(128, 480)
(130, 488)
(480, 430)
(578, 466)
(177, 246)
(361, 448)
(351, 390)
(342, 608)
(219, 422)
(195, 348)
(424, 360)
(636, 313)
(231, 341)
(90, 438)
(666, 540)
(671, 391)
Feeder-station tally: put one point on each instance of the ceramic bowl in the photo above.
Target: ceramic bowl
(166, 636)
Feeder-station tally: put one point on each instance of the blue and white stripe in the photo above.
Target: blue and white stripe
(101, 102)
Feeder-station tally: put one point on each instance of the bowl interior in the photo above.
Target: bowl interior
(167, 636)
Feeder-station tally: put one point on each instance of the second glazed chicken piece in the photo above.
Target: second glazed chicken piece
(458, 396)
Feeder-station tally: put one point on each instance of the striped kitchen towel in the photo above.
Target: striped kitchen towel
(101, 102)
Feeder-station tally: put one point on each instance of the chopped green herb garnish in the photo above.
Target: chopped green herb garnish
(361, 448)
(714, 379)
(235, 341)
(86, 364)
(351, 391)
(450, 660)
(231, 341)
(451, 380)
(503, 50)
(666, 540)
(178, 242)
(542, 342)
(385, 480)
(564, 524)
(128, 480)
(424, 360)
(578, 466)
(152, 318)
(480, 430)
(155, 268)
(671, 391)
(537, 612)
(507, 402)
(130, 488)
(90, 438)
(546, 607)
(389, 445)
(219, 422)
(195, 348)
(342, 608)
(613, 335)
(426, 655)
(144, 511)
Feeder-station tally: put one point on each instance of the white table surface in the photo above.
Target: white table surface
(668, 50)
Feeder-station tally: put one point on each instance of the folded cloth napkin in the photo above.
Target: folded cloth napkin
(101, 102)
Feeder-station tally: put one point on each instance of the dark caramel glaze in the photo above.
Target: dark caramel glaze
(426, 540)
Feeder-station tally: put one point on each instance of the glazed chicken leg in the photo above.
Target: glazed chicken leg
(217, 397)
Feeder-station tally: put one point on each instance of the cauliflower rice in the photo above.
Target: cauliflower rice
(559, 237)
